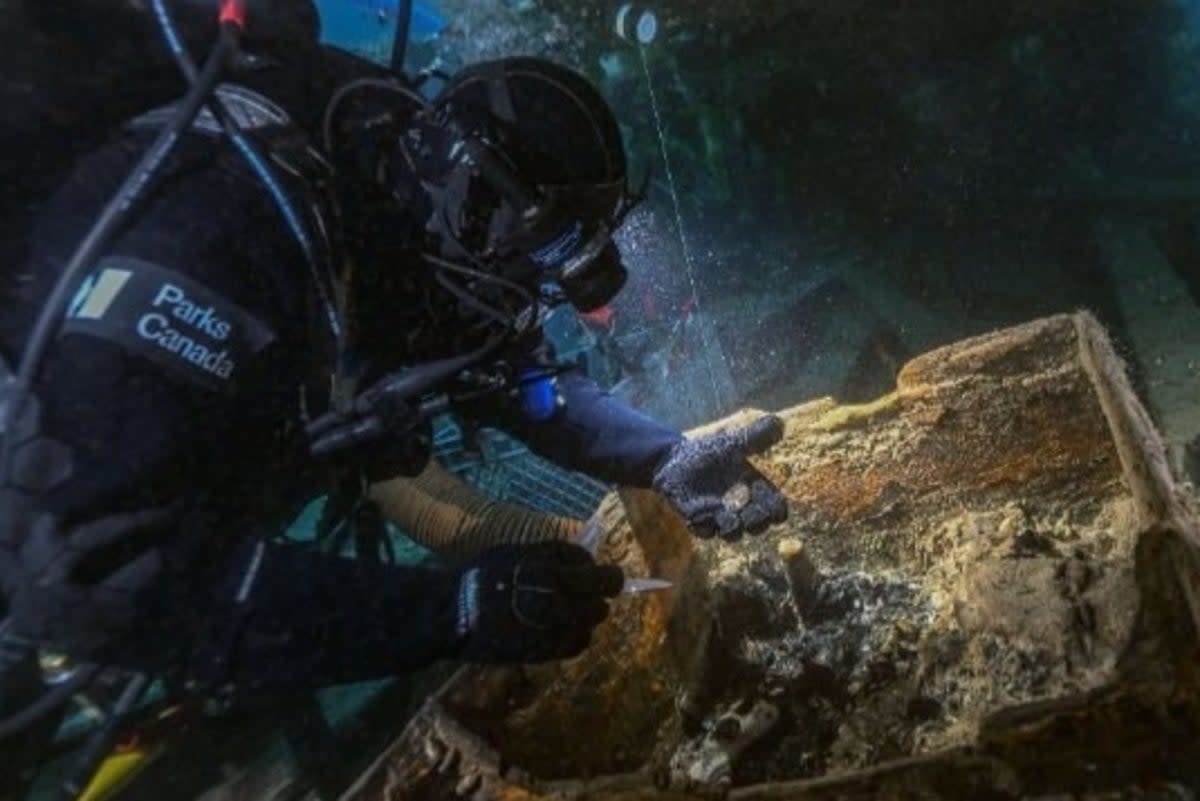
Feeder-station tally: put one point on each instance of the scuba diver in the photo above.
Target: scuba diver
(263, 293)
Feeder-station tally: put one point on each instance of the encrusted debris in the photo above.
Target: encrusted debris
(989, 585)
(705, 764)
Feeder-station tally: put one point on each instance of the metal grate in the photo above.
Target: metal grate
(507, 470)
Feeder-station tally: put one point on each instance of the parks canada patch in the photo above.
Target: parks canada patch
(168, 318)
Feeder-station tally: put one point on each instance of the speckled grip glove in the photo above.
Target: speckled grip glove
(716, 489)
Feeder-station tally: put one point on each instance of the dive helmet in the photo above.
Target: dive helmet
(523, 168)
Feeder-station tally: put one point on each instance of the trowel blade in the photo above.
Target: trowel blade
(636, 585)
(590, 539)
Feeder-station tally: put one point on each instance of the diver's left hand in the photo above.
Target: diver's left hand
(716, 489)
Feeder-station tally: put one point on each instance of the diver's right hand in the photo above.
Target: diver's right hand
(532, 603)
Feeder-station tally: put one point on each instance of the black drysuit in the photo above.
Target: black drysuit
(179, 389)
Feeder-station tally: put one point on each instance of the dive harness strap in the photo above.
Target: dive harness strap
(248, 109)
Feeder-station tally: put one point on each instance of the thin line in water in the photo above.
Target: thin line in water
(683, 243)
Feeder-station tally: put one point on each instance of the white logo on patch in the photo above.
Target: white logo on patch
(96, 295)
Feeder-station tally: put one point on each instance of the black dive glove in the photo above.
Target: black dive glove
(532, 603)
(715, 489)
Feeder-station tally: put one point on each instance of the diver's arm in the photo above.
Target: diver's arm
(315, 620)
(140, 395)
(591, 431)
(312, 619)
(150, 586)
(596, 433)
(89, 518)
(599, 434)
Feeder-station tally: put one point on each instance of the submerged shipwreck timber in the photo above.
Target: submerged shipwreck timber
(989, 588)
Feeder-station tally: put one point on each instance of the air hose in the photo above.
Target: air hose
(14, 653)
(456, 521)
(257, 161)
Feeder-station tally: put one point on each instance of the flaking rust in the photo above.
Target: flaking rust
(988, 586)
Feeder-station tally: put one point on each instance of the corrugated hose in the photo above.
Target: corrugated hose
(457, 521)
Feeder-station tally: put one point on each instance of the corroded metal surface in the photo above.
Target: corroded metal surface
(988, 586)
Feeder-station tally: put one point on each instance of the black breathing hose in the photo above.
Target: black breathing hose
(257, 161)
(49, 701)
